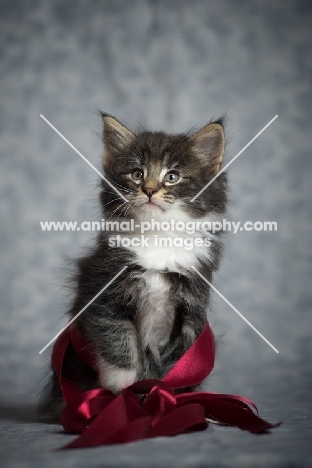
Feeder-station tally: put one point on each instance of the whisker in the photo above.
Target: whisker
(111, 201)
(118, 185)
(107, 191)
(117, 209)
(124, 211)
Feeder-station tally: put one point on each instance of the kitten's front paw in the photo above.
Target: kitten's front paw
(115, 378)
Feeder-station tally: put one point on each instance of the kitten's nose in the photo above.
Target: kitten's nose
(149, 191)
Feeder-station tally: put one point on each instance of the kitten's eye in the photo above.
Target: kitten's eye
(171, 177)
(137, 175)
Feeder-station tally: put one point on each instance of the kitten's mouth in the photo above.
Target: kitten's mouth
(150, 204)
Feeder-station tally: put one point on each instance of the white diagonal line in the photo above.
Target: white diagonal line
(235, 157)
(82, 310)
(235, 310)
(83, 157)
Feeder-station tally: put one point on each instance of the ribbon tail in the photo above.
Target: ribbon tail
(233, 415)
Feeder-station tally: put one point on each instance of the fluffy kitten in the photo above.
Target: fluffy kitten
(151, 314)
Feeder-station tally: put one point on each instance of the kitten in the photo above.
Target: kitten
(152, 313)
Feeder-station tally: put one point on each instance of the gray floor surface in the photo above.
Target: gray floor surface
(27, 442)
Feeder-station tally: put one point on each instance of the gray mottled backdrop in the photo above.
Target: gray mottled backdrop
(169, 65)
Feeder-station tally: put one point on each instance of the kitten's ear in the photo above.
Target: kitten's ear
(116, 137)
(208, 144)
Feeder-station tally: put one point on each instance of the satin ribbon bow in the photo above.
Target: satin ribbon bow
(101, 417)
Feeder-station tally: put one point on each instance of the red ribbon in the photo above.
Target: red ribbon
(101, 417)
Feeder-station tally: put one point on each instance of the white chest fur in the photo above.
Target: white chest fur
(167, 257)
(155, 312)
(170, 250)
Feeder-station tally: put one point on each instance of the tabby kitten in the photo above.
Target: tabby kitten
(150, 315)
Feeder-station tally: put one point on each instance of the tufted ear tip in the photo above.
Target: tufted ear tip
(103, 114)
(209, 143)
(116, 136)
